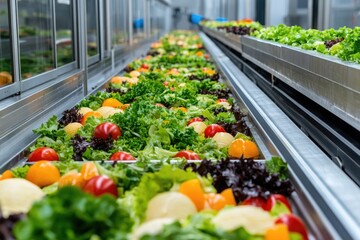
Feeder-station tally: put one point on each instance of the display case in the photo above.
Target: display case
(53, 53)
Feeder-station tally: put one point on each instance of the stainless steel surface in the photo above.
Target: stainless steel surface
(130, 21)
(53, 32)
(324, 186)
(231, 39)
(330, 82)
(83, 48)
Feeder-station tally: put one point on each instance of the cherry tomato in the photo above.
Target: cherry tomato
(255, 201)
(43, 153)
(212, 129)
(122, 156)
(144, 65)
(270, 203)
(188, 155)
(294, 224)
(100, 185)
(221, 100)
(196, 119)
(107, 129)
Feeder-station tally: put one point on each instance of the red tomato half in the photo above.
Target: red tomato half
(294, 224)
(221, 100)
(256, 202)
(197, 119)
(188, 155)
(100, 185)
(107, 129)
(212, 129)
(144, 65)
(277, 198)
(43, 153)
(122, 156)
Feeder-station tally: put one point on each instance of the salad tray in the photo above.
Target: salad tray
(332, 83)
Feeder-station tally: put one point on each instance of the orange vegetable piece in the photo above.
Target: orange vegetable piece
(250, 150)
(243, 148)
(43, 173)
(236, 148)
(278, 232)
(88, 171)
(90, 114)
(125, 106)
(183, 109)
(72, 179)
(112, 102)
(229, 196)
(118, 79)
(6, 175)
(193, 190)
(215, 201)
(199, 54)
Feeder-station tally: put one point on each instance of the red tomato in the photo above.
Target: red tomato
(122, 156)
(144, 65)
(255, 201)
(270, 203)
(197, 119)
(165, 83)
(107, 129)
(221, 100)
(188, 155)
(100, 185)
(43, 153)
(212, 129)
(294, 224)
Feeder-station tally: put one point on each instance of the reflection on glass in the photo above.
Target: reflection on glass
(92, 28)
(64, 30)
(5, 47)
(119, 22)
(138, 19)
(35, 32)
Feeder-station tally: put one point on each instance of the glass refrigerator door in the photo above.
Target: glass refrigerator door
(342, 13)
(6, 76)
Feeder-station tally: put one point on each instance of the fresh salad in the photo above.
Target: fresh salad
(169, 107)
(342, 43)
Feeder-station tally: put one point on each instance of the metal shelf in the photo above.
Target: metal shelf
(332, 83)
(326, 195)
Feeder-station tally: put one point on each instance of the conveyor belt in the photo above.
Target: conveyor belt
(320, 182)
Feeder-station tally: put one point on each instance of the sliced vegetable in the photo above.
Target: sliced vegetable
(107, 130)
(193, 190)
(122, 156)
(43, 153)
(170, 205)
(43, 173)
(212, 129)
(100, 185)
(294, 224)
